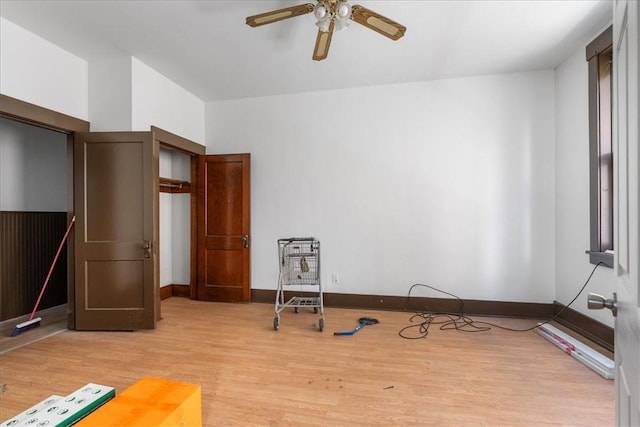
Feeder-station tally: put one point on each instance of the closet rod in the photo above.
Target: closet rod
(172, 185)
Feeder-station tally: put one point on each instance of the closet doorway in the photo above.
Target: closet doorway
(220, 273)
(33, 215)
(116, 200)
(147, 144)
(24, 113)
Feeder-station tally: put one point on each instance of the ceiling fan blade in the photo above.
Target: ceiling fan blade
(323, 41)
(377, 22)
(279, 15)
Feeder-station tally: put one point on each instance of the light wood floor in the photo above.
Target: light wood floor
(252, 375)
(54, 321)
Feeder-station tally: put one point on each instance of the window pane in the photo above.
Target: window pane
(605, 153)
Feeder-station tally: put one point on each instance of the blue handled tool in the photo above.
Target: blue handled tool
(364, 321)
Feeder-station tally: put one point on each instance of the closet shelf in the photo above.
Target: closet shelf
(168, 185)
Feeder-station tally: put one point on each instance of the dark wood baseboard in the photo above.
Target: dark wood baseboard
(183, 291)
(166, 292)
(440, 305)
(589, 328)
(169, 291)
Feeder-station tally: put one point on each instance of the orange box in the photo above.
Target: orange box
(151, 402)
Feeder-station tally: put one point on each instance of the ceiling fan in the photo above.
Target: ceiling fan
(332, 15)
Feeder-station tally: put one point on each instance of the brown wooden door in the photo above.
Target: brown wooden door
(223, 228)
(116, 272)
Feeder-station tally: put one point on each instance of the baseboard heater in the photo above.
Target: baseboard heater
(597, 362)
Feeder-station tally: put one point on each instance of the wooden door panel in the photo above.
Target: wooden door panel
(223, 221)
(229, 242)
(113, 167)
(121, 282)
(221, 269)
(116, 280)
(224, 198)
(224, 276)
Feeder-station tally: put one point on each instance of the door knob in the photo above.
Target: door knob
(146, 246)
(245, 241)
(598, 302)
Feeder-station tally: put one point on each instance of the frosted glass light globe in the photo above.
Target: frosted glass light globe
(320, 11)
(343, 9)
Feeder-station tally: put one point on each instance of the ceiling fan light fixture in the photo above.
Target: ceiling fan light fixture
(323, 14)
(341, 24)
(342, 15)
(343, 10)
(323, 25)
(332, 15)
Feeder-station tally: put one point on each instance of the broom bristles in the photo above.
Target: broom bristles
(25, 326)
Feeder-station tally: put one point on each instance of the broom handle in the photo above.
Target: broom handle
(53, 264)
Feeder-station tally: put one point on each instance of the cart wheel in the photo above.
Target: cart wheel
(315, 310)
(276, 323)
(321, 324)
(296, 309)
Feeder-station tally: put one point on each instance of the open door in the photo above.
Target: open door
(626, 53)
(223, 228)
(116, 231)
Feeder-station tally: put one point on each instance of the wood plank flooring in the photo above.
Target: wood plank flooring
(252, 375)
(54, 321)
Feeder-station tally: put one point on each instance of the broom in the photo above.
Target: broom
(34, 322)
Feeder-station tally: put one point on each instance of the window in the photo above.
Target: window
(599, 56)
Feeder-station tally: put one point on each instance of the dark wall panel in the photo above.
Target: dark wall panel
(28, 244)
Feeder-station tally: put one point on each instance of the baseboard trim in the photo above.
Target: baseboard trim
(183, 291)
(589, 328)
(395, 303)
(169, 291)
(166, 292)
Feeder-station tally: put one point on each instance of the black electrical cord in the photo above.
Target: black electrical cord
(459, 321)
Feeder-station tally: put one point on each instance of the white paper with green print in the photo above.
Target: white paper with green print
(64, 411)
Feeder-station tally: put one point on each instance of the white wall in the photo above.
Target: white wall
(110, 107)
(448, 183)
(158, 101)
(33, 168)
(36, 71)
(572, 190)
(126, 94)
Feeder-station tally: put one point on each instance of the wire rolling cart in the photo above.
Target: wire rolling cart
(299, 263)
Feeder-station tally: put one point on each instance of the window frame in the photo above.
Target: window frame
(600, 45)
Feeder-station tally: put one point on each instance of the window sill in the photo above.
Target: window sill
(606, 258)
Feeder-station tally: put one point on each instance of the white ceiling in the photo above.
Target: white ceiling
(206, 47)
